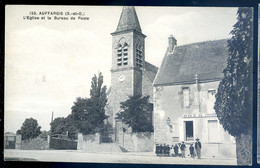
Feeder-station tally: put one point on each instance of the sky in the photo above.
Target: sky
(49, 63)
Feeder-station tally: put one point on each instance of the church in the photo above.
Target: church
(182, 89)
(130, 73)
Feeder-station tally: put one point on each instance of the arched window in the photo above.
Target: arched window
(139, 56)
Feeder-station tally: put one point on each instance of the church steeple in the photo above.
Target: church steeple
(128, 20)
(128, 63)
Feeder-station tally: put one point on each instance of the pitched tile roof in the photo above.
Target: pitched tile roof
(128, 20)
(150, 71)
(207, 59)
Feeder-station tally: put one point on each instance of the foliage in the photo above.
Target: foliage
(61, 125)
(19, 132)
(98, 96)
(89, 113)
(233, 104)
(137, 113)
(44, 134)
(106, 130)
(83, 115)
(30, 129)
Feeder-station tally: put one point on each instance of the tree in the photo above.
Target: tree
(30, 129)
(89, 113)
(233, 104)
(137, 113)
(98, 96)
(19, 132)
(63, 125)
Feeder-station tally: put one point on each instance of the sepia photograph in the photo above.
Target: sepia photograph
(129, 84)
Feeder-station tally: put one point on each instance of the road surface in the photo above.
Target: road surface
(80, 156)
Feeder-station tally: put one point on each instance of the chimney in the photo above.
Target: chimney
(172, 43)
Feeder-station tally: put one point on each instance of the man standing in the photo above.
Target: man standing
(183, 147)
(198, 148)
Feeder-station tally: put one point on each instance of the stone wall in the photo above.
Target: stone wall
(88, 142)
(63, 144)
(219, 150)
(137, 142)
(35, 144)
(18, 142)
(91, 143)
(120, 90)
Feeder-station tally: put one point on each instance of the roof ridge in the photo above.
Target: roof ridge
(150, 64)
(208, 60)
(201, 42)
(147, 76)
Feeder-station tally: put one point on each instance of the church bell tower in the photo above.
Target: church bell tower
(128, 60)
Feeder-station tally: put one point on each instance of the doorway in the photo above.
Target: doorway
(188, 131)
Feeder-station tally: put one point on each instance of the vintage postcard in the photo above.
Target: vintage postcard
(126, 84)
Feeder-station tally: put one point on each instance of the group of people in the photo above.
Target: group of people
(173, 151)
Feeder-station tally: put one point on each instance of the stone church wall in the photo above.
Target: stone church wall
(137, 81)
(117, 88)
(119, 39)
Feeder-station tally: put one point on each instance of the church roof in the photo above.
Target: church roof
(128, 20)
(150, 71)
(206, 59)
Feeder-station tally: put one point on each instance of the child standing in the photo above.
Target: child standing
(192, 151)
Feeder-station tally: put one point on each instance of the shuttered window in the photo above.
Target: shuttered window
(186, 97)
(122, 54)
(139, 56)
(213, 130)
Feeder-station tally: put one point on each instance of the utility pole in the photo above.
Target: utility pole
(52, 117)
(51, 121)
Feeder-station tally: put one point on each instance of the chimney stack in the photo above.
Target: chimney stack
(172, 43)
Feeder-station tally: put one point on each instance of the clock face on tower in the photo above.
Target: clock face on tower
(121, 78)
